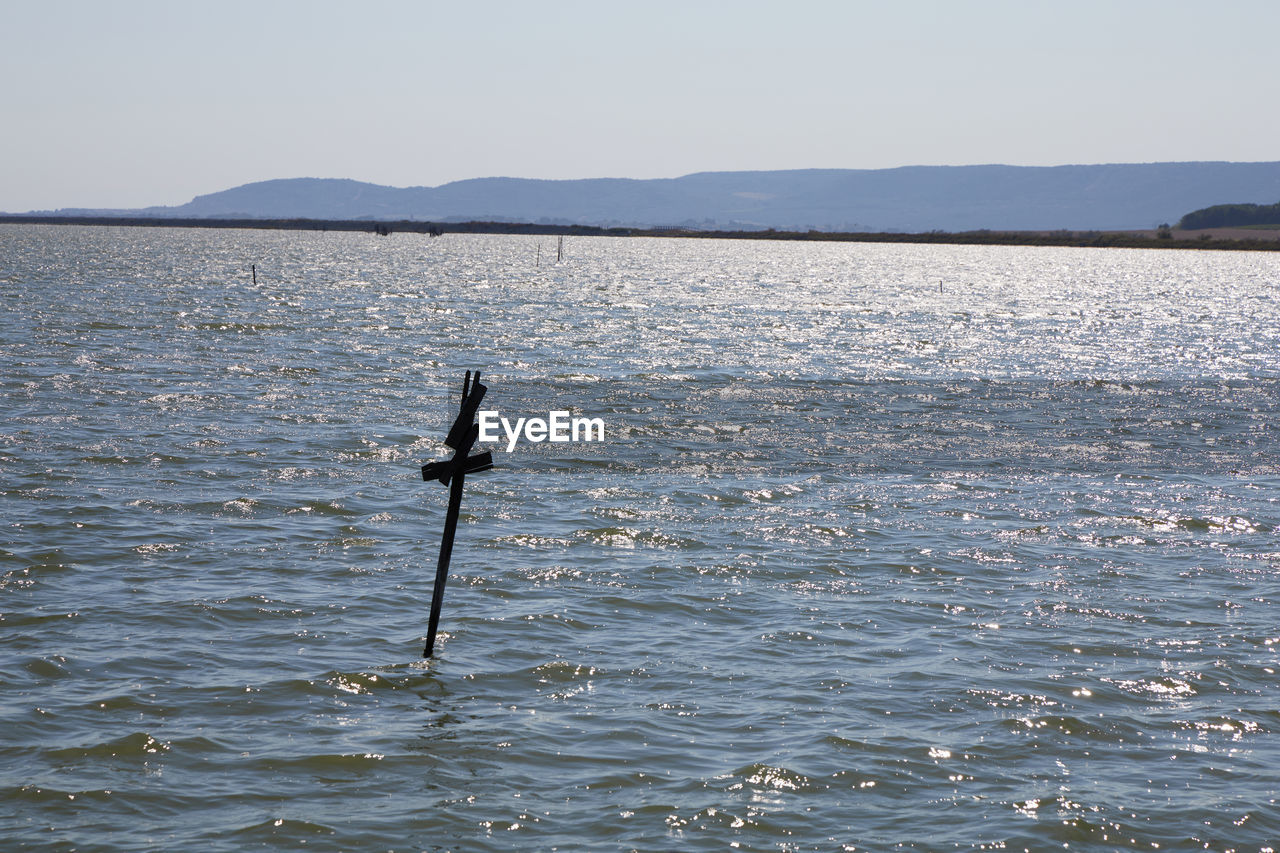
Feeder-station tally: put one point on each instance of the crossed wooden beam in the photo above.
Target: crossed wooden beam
(452, 472)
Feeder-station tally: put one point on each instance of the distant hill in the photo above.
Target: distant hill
(911, 198)
(1232, 216)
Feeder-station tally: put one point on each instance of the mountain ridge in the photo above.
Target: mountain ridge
(905, 198)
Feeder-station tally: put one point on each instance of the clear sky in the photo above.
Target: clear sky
(128, 103)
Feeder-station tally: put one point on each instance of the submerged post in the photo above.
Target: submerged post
(452, 472)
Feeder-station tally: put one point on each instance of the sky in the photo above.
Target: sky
(131, 103)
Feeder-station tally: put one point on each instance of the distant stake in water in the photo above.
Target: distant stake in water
(254, 268)
(462, 436)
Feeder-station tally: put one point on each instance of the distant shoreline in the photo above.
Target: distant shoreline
(1220, 239)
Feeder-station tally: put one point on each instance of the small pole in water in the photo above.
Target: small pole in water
(538, 262)
(559, 248)
(939, 285)
(462, 436)
(254, 269)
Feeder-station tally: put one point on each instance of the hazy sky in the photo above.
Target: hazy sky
(129, 103)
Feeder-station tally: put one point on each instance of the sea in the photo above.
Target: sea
(885, 547)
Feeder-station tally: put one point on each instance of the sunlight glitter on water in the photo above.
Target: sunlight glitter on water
(862, 564)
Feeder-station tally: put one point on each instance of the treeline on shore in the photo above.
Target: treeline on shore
(1164, 238)
(1232, 216)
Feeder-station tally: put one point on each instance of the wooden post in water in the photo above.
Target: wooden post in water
(254, 268)
(452, 472)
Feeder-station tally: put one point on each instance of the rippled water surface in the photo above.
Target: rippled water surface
(887, 547)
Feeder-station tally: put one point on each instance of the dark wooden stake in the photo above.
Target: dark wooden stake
(452, 472)
(254, 267)
(442, 565)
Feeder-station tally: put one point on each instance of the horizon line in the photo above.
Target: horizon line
(499, 177)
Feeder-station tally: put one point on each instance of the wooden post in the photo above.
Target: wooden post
(452, 472)
(442, 565)
(254, 268)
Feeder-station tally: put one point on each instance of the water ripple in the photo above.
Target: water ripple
(859, 565)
